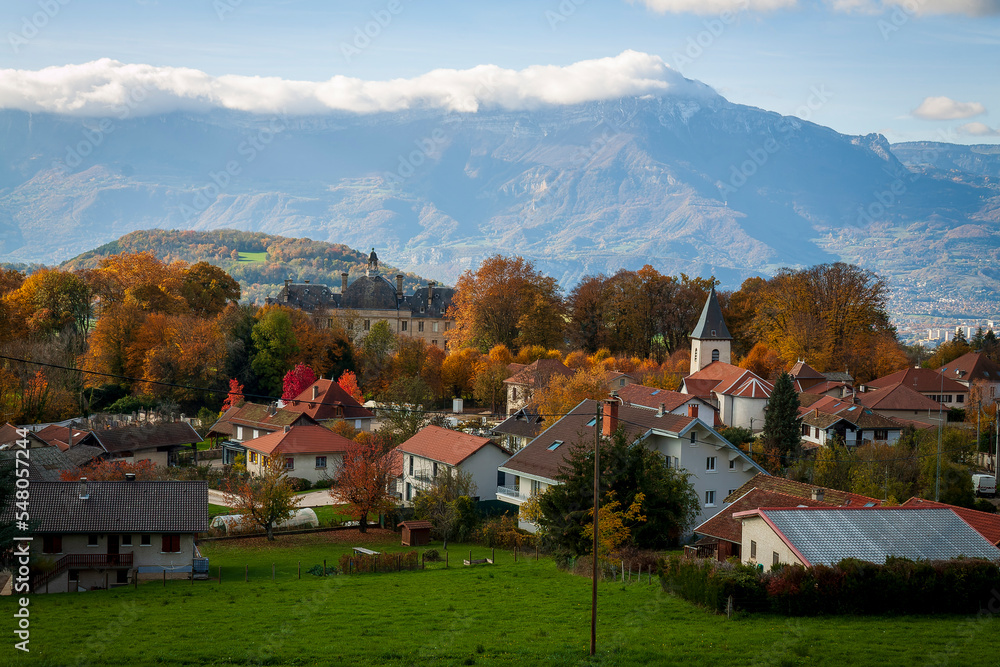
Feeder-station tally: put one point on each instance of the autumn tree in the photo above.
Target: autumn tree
(763, 362)
(112, 470)
(297, 381)
(235, 396)
(50, 301)
(265, 499)
(506, 301)
(348, 381)
(447, 503)
(366, 479)
(377, 349)
(458, 371)
(564, 392)
(614, 529)
(207, 289)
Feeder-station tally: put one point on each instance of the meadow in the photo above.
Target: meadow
(524, 613)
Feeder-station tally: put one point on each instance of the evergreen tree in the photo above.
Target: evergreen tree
(782, 424)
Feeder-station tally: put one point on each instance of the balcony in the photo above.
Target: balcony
(512, 493)
(83, 562)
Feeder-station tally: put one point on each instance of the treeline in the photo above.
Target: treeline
(297, 259)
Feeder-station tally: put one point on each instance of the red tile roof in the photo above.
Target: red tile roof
(897, 397)
(971, 366)
(725, 527)
(539, 373)
(446, 446)
(984, 523)
(824, 387)
(331, 402)
(803, 371)
(59, 436)
(651, 397)
(923, 380)
(800, 490)
(304, 439)
(723, 378)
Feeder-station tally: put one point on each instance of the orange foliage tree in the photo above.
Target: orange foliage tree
(111, 471)
(349, 382)
(235, 395)
(366, 479)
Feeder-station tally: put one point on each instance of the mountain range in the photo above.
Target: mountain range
(688, 182)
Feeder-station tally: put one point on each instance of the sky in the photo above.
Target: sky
(909, 69)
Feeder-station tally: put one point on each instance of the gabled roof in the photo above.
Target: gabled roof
(652, 397)
(45, 463)
(331, 402)
(446, 446)
(724, 527)
(984, 523)
(803, 371)
(301, 439)
(923, 380)
(800, 490)
(223, 425)
(897, 397)
(59, 436)
(525, 423)
(9, 437)
(971, 366)
(147, 436)
(539, 373)
(827, 535)
(119, 507)
(824, 387)
(711, 325)
(267, 418)
(729, 380)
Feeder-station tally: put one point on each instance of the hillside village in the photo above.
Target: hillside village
(373, 414)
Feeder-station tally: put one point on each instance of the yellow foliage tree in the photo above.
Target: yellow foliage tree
(615, 524)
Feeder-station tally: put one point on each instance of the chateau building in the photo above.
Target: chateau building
(370, 298)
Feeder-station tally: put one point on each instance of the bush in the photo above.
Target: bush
(317, 571)
(323, 484)
(353, 563)
(299, 483)
(432, 555)
(129, 404)
(502, 531)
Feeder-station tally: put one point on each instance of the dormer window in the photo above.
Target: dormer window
(713, 333)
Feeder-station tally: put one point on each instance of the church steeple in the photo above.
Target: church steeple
(710, 340)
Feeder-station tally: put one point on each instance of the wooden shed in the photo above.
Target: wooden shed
(416, 533)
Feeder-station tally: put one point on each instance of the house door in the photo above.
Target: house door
(113, 549)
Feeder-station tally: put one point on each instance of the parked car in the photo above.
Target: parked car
(984, 485)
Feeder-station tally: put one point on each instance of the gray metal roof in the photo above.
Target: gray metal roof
(829, 535)
(711, 325)
(118, 507)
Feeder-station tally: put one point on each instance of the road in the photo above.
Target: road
(311, 499)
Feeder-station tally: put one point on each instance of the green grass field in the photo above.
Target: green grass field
(524, 614)
(253, 257)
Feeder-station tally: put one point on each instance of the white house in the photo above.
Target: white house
(309, 451)
(717, 467)
(434, 450)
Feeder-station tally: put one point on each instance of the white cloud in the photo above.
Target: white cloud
(107, 86)
(715, 6)
(978, 130)
(945, 108)
(916, 7)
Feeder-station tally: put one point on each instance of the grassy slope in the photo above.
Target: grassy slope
(523, 614)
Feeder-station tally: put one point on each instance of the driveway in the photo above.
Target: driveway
(311, 499)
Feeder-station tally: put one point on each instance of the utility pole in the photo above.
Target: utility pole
(996, 411)
(597, 500)
(937, 481)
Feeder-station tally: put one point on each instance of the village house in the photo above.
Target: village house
(683, 441)
(248, 421)
(526, 380)
(520, 428)
(928, 383)
(807, 379)
(810, 536)
(803, 491)
(309, 451)
(900, 402)
(673, 402)
(974, 367)
(434, 450)
(104, 534)
(65, 437)
(327, 403)
(156, 442)
(850, 422)
(370, 298)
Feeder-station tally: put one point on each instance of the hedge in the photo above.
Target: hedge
(355, 563)
(900, 586)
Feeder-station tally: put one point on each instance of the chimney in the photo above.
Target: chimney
(817, 495)
(430, 292)
(315, 391)
(287, 281)
(272, 409)
(399, 285)
(69, 442)
(287, 428)
(610, 416)
(84, 494)
(343, 283)
(130, 477)
(693, 411)
(661, 409)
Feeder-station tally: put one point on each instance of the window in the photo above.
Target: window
(732, 464)
(368, 325)
(402, 327)
(146, 540)
(753, 549)
(710, 499)
(666, 461)
(434, 342)
(320, 461)
(434, 327)
(710, 464)
(713, 333)
(501, 478)
(74, 575)
(774, 558)
(239, 436)
(555, 445)
(592, 422)
(171, 543)
(420, 327)
(715, 355)
(881, 434)
(435, 469)
(731, 492)
(411, 469)
(695, 355)
(536, 486)
(960, 397)
(127, 540)
(91, 540)
(694, 438)
(806, 430)
(289, 463)
(52, 544)
(409, 491)
(253, 457)
(447, 326)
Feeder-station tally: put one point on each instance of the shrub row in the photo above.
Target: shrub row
(387, 562)
(900, 586)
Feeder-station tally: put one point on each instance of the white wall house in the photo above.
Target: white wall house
(716, 466)
(308, 451)
(434, 450)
